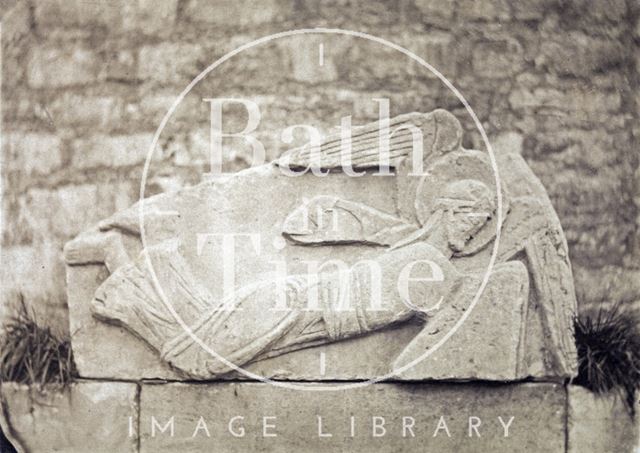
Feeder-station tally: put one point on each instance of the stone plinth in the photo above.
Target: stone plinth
(601, 423)
(87, 416)
(386, 418)
(250, 416)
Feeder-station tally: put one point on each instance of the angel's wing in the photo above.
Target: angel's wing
(441, 133)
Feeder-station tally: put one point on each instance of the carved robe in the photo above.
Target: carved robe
(185, 323)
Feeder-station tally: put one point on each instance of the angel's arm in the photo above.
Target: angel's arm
(106, 243)
(331, 220)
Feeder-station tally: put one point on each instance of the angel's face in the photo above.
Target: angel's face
(462, 226)
(467, 206)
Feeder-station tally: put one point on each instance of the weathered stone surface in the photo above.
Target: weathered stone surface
(319, 273)
(90, 111)
(32, 153)
(56, 210)
(55, 12)
(577, 54)
(305, 60)
(499, 58)
(50, 67)
(483, 10)
(507, 143)
(16, 22)
(87, 416)
(588, 101)
(600, 423)
(611, 284)
(117, 15)
(201, 415)
(436, 11)
(111, 151)
(232, 13)
(170, 63)
(150, 17)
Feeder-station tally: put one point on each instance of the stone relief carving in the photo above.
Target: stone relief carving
(445, 218)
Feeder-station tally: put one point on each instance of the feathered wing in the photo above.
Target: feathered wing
(441, 132)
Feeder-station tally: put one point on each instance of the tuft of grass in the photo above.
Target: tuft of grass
(608, 346)
(32, 354)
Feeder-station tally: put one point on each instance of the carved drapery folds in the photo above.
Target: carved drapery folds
(441, 220)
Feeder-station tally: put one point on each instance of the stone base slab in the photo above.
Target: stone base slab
(87, 416)
(102, 416)
(601, 423)
(241, 417)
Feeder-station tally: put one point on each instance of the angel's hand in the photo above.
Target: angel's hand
(332, 220)
(149, 214)
(97, 248)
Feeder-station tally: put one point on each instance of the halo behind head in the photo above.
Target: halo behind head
(461, 180)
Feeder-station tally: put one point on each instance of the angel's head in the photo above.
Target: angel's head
(464, 207)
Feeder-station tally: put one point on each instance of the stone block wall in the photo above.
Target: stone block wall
(86, 84)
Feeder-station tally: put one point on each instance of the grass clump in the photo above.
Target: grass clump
(32, 354)
(608, 346)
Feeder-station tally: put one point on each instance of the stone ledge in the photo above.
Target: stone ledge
(88, 416)
(196, 417)
(237, 416)
(600, 423)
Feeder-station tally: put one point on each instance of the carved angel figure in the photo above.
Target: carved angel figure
(447, 216)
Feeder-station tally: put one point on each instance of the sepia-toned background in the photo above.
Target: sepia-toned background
(85, 84)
